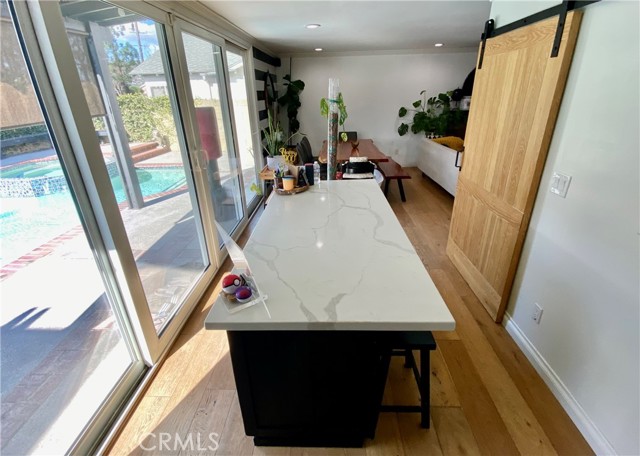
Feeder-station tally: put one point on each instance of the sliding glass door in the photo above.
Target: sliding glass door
(241, 106)
(126, 134)
(123, 64)
(209, 101)
(66, 345)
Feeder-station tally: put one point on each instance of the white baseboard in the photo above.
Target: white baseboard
(591, 433)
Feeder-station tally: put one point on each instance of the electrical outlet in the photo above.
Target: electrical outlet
(537, 313)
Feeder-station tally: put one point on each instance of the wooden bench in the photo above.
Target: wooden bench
(391, 170)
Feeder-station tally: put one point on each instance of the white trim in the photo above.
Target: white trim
(578, 415)
(132, 402)
(204, 17)
(459, 50)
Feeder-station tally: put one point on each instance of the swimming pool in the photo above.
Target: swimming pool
(27, 222)
(41, 168)
(153, 181)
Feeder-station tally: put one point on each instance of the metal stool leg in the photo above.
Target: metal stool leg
(407, 358)
(425, 385)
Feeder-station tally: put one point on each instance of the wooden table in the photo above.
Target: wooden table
(366, 149)
(341, 278)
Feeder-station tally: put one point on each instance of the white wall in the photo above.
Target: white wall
(374, 88)
(580, 259)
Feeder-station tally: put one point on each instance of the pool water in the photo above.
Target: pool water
(32, 170)
(152, 181)
(29, 222)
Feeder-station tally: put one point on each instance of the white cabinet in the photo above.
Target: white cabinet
(439, 163)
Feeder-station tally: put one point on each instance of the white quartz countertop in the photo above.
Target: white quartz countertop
(335, 258)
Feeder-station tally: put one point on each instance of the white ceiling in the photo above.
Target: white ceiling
(358, 26)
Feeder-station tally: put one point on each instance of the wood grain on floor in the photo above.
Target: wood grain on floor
(486, 398)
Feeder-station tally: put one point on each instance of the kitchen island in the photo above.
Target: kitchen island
(340, 274)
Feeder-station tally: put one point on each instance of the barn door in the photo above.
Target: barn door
(516, 97)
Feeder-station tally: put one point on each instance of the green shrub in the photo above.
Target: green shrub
(23, 131)
(98, 123)
(147, 118)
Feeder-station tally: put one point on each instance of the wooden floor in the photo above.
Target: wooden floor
(485, 396)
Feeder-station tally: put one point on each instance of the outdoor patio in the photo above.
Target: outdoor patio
(59, 337)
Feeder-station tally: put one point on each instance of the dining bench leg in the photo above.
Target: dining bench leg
(392, 170)
(401, 188)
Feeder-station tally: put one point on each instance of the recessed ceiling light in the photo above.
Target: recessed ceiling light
(318, 49)
(438, 45)
(312, 26)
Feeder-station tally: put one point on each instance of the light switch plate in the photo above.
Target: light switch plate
(560, 184)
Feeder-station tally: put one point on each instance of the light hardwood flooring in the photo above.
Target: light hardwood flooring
(486, 398)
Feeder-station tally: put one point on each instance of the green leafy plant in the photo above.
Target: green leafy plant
(255, 189)
(430, 115)
(273, 137)
(147, 118)
(342, 113)
(291, 99)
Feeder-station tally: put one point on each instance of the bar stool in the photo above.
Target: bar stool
(402, 343)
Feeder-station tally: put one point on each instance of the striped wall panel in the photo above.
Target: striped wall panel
(263, 63)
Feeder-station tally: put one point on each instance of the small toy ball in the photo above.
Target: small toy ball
(231, 283)
(243, 294)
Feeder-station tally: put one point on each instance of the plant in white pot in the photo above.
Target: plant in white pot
(273, 141)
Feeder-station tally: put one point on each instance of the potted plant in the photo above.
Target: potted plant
(342, 111)
(273, 142)
(432, 116)
(278, 174)
(291, 99)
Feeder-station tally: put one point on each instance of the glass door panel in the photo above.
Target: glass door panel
(240, 102)
(64, 350)
(122, 62)
(204, 63)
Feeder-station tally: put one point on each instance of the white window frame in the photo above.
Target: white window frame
(51, 35)
(63, 137)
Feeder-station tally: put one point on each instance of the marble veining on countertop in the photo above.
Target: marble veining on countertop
(336, 257)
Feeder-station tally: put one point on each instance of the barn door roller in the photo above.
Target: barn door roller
(488, 28)
(561, 20)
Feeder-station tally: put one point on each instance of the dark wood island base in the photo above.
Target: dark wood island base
(310, 388)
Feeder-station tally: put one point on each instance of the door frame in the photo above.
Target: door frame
(253, 110)
(179, 26)
(48, 25)
(63, 139)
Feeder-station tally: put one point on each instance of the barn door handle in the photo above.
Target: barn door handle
(458, 165)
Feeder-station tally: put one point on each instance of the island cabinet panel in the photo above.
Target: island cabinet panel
(308, 388)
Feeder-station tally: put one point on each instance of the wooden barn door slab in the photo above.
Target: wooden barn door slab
(516, 98)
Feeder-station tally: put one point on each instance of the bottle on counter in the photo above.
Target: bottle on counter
(316, 172)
